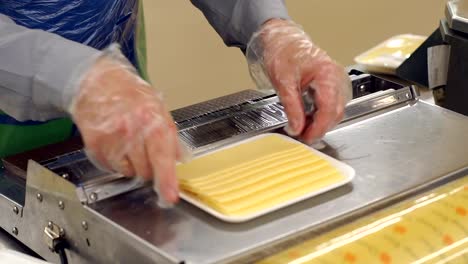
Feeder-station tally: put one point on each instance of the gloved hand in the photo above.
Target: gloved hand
(281, 55)
(125, 125)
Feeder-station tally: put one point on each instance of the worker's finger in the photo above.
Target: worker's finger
(290, 97)
(162, 154)
(95, 154)
(121, 131)
(109, 156)
(124, 166)
(139, 160)
(184, 153)
(329, 108)
(137, 152)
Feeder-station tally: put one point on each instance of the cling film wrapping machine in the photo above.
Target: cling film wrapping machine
(406, 204)
(399, 145)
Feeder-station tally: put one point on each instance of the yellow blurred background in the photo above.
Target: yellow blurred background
(189, 62)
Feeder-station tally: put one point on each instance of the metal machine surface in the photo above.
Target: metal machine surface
(457, 15)
(398, 145)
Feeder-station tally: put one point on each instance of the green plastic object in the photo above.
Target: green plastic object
(140, 50)
(15, 139)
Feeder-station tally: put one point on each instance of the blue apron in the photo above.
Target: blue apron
(96, 23)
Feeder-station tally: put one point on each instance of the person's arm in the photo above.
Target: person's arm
(282, 56)
(39, 71)
(237, 20)
(123, 121)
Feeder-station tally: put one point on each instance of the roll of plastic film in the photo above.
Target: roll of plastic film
(432, 228)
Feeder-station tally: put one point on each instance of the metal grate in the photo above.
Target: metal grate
(253, 120)
(217, 104)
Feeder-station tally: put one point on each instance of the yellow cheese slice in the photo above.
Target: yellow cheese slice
(236, 171)
(256, 175)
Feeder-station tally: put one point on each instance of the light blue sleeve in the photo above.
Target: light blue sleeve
(237, 20)
(39, 71)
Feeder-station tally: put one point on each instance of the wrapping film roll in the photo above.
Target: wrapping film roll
(432, 228)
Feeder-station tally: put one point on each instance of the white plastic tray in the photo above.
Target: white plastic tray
(347, 171)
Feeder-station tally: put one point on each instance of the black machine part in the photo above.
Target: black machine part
(452, 31)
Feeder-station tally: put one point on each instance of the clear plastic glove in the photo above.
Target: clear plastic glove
(281, 55)
(125, 125)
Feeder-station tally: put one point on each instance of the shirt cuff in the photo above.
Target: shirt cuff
(249, 16)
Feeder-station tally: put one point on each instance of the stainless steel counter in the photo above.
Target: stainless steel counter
(393, 153)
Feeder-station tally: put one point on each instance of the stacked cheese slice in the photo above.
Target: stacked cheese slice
(257, 175)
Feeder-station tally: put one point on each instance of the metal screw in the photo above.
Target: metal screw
(61, 205)
(39, 197)
(50, 224)
(407, 96)
(15, 210)
(93, 196)
(15, 231)
(66, 176)
(61, 232)
(84, 224)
